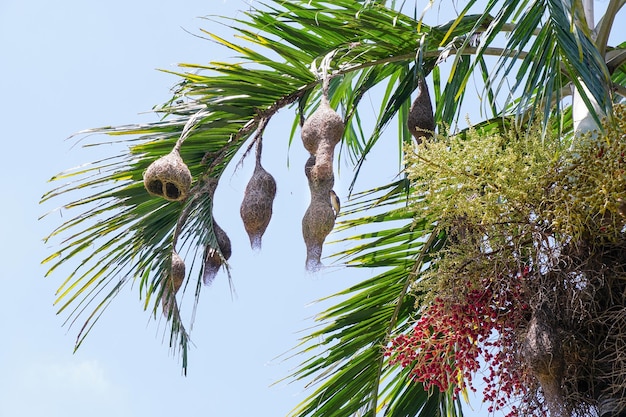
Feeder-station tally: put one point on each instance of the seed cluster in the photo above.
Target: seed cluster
(321, 132)
(448, 344)
(168, 177)
(256, 207)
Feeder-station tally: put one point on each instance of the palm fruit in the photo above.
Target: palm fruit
(621, 207)
(256, 207)
(317, 223)
(173, 283)
(420, 120)
(168, 177)
(212, 259)
(323, 124)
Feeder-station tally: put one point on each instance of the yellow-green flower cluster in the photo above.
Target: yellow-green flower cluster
(483, 179)
(515, 178)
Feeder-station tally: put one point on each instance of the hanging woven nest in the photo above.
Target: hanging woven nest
(544, 356)
(168, 177)
(321, 132)
(173, 283)
(256, 207)
(317, 223)
(420, 120)
(214, 258)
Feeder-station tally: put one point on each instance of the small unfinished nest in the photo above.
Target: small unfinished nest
(543, 354)
(214, 258)
(420, 120)
(168, 177)
(173, 283)
(256, 207)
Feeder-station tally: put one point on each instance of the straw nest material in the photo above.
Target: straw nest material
(322, 171)
(420, 120)
(320, 175)
(323, 124)
(173, 283)
(317, 223)
(321, 132)
(256, 207)
(543, 353)
(168, 177)
(214, 258)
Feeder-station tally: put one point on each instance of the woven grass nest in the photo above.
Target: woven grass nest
(323, 124)
(256, 207)
(173, 283)
(168, 177)
(317, 223)
(321, 132)
(214, 257)
(421, 120)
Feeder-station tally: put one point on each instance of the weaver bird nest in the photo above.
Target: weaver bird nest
(168, 177)
(256, 206)
(421, 120)
(215, 257)
(173, 281)
(321, 132)
(533, 275)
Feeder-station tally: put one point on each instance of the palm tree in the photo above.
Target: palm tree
(152, 202)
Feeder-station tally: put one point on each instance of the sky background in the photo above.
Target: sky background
(73, 65)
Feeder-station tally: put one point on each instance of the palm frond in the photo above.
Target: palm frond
(122, 233)
(561, 53)
(351, 373)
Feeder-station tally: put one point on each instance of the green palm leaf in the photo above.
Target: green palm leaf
(555, 49)
(355, 331)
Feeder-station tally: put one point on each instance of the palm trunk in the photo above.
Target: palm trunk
(583, 122)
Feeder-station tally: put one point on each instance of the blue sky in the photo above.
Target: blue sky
(73, 65)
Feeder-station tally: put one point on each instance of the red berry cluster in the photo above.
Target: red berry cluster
(452, 338)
